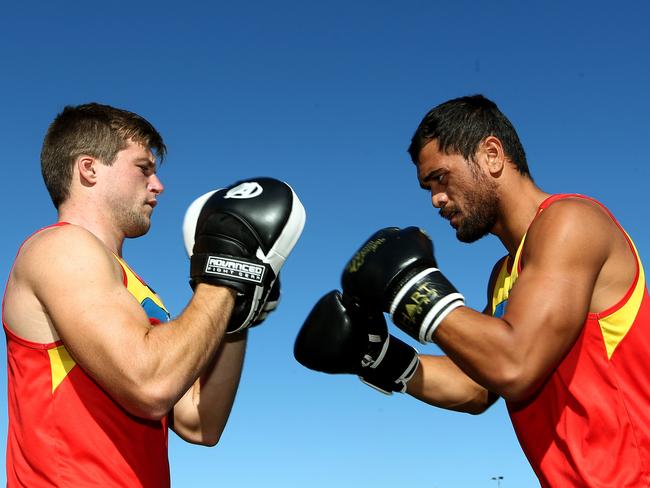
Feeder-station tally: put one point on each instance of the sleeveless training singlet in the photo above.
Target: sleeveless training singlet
(589, 424)
(65, 430)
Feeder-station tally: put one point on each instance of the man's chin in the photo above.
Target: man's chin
(467, 236)
(139, 230)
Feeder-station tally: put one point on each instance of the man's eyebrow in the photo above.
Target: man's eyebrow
(428, 177)
(148, 162)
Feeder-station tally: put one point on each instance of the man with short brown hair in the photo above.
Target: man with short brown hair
(97, 371)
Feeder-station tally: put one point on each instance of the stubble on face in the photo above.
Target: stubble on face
(127, 199)
(481, 203)
(474, 204)
(131, 218)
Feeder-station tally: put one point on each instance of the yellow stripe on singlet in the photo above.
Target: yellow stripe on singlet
(138, 289)
(506, 279)
(616, 325)
(61, 363)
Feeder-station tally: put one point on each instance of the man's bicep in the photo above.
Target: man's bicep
(86, 302)
(560, 264)
(550, 300)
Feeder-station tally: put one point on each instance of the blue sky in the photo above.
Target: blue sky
(326, 96)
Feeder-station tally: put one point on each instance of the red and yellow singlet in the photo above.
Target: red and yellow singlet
(589, 424)
(66, 431)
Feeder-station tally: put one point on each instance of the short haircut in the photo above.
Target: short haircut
(461, 124)
(96, 130)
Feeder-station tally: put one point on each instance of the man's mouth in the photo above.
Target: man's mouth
(447, 214)
(452, 216)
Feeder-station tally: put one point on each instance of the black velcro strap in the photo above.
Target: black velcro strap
(395, 369)
(419, 297)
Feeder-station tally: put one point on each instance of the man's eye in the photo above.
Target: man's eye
(440, 178)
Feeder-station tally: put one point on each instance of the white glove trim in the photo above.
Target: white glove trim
(190, 218)
(407, 286)
(408, 374)
(437, 314)
(380, 358)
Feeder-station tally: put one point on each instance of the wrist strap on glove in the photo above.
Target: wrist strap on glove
(422, 302)
(393, 369)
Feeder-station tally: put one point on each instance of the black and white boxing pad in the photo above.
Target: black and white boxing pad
(240, 237)
(271, 303)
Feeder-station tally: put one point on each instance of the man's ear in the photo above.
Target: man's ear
(495, 157)
(87, 166)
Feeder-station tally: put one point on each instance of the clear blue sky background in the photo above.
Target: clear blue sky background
(326, 96)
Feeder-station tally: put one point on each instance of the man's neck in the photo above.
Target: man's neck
(95, 222)
(518, 207)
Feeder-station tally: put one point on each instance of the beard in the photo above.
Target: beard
(481, 210)
(135, 225)
(133, 220)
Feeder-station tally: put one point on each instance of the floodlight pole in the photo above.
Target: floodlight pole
(498, 480)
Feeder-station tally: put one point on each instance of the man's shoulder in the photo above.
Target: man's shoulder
(574, 213)
(573, 226)
(47, 263)
(67, 235)
(60, 246)
(571, 207)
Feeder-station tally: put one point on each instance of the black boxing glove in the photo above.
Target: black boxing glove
(239, 237)
(395, 271)
(339, 337)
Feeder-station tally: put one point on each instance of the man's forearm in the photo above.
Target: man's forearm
(201, 414)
